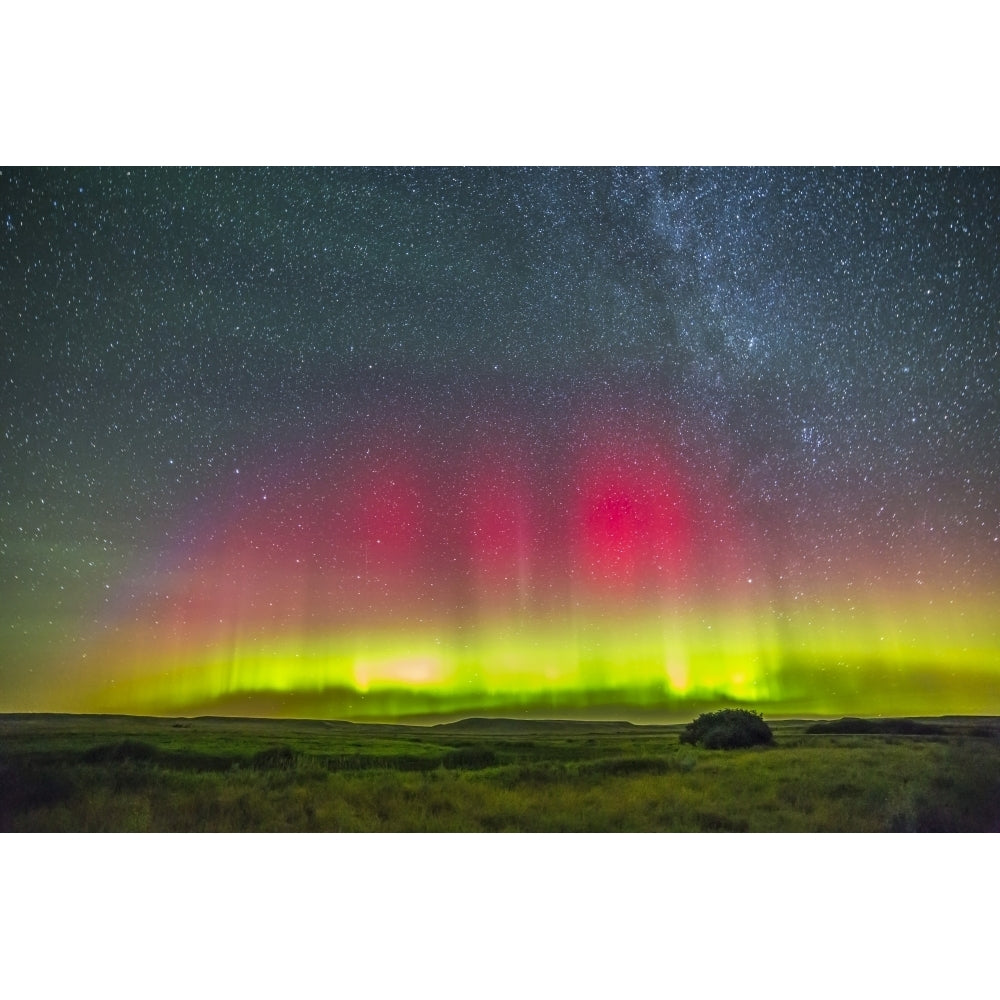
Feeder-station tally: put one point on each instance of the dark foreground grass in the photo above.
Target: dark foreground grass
(118, 774)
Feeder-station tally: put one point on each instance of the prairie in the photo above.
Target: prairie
(119, 773)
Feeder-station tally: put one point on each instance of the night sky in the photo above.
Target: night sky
(419, 443)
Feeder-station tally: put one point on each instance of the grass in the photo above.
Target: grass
(64, 773)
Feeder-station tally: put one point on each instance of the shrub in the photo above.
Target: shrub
(620, 766)
(469, 758)
(117, 753)
(727, 730)
(279, 758)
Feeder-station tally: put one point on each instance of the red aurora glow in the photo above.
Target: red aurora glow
(399, 529)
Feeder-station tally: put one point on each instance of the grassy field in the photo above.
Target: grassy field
(113, 773)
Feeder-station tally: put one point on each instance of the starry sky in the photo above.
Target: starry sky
(423, 443)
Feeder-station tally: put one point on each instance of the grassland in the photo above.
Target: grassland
(115, 773)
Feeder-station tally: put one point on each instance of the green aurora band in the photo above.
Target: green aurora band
(816, 667)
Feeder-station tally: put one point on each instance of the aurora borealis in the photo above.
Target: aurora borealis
(416, 443)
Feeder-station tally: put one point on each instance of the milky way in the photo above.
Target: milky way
(413, 443)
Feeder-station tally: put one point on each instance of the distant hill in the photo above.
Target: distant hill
(516, 726)
(945, 725)
(901, 727)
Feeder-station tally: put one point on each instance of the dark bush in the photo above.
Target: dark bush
(619, 766)
(136, 752)
(279, 758)
(27, 786)
(727, 730)
(117, 753)
(711, 822)
(409, 762)
(381, 762)
(469, 758)
(540, 773)
(980, 731)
